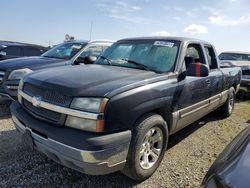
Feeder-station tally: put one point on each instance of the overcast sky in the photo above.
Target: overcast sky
(225, 23)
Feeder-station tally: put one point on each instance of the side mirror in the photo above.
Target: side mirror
(197, 70)
(79, 60)
(90, 59)
(85, 60)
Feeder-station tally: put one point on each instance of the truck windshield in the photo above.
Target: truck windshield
(234, 56)
(65, 50)
(153, 55)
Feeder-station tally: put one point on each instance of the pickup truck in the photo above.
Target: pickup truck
(67, 53)
(117, 114)
(238, 59)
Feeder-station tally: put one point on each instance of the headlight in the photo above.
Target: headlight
(18, 74)
(89, 104)
(80, 123)
(95, 105)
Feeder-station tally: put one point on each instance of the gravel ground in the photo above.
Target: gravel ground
(191, 152)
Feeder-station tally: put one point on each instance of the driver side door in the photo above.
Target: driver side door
(193, 92)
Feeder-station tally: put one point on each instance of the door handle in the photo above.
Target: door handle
(208, 82)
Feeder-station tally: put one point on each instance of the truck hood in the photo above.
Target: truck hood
(91, 80)
(33, 63)
(242, 64)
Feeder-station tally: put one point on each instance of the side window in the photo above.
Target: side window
(211, 57)
(28, 51)
(12, 51)
(92, 51)
(194, 54)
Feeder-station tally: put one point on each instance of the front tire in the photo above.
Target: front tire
(227, 109)
(147, 147)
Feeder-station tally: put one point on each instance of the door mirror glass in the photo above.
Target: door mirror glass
(197, 70)
(89, 59)
(85, 60)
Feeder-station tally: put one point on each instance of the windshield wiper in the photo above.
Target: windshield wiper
(55, 57)
(136, 63)
(107, 59)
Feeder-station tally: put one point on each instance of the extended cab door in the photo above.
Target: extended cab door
(215, 77)
(193, 92)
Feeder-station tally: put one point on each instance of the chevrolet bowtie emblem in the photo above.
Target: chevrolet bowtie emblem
(36, 101)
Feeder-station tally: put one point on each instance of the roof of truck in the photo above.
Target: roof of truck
(236, 52)
(163, 38)
(10, 43)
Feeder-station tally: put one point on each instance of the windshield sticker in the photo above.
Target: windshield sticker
(77, 46)
(164, 43)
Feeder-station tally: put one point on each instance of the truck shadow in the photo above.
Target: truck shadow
(185, 132)
(5, 110)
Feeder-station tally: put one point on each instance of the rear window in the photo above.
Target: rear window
(234, 56)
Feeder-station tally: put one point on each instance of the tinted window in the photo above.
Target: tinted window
(28, 51)
(64, 50)
(92, 51)
(154, 55)
(234, 56)
(12, 51)
(212, 61)
(195, 55)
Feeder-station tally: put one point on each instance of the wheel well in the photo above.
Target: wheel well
(165, 114)
(235, 86)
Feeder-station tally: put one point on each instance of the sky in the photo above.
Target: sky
(224, 23)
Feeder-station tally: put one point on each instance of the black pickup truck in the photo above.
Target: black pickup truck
(118, 113)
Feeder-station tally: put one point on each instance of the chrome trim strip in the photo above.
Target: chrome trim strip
(195, 110)
(12, 87)
(177, 115)
(245, 79)
(62, 110)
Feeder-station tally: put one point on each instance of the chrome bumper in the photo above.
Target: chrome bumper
(89, 162)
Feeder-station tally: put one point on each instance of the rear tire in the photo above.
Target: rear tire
(147, 147)
(227, 108)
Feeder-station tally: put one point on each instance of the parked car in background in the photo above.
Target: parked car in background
(232, 167)
(10, 50)
(67, 53)
(238, 59)
(118, 113)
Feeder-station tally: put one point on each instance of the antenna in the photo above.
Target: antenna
(90, 33)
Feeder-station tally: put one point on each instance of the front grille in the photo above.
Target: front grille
(2, 73)
(50, 96)
(245, 72)
(42, 113)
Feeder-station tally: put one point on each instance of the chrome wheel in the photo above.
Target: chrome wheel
(151, 148)
(231, 103)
